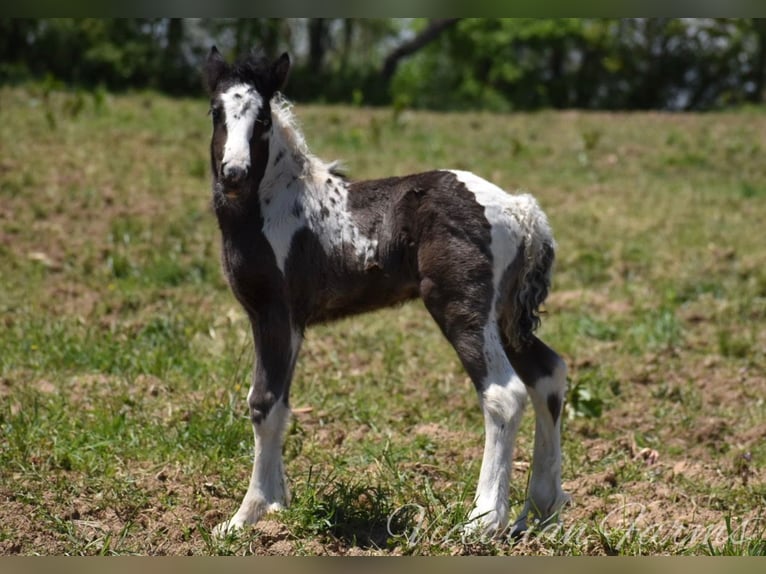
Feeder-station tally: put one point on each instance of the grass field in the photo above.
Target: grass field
(125, 361)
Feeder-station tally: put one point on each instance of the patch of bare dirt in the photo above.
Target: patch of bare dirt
(576, 299)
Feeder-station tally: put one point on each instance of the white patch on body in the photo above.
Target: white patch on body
(241, 104)
(498, 209)
(516, 220)
(294, 194)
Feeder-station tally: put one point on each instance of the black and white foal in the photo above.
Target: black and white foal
(302, 245)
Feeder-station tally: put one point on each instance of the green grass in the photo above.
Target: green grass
(125, 360)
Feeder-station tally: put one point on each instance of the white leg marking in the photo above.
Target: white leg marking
(545, 495)
(502, 402)
(268, 490)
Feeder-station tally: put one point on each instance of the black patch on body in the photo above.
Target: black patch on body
(431, 231)
(536, 361)
(245, 255)
(554, 406)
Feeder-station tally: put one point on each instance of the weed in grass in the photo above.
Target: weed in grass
(748, 190)
(600, 330)
(591, 392)
(655, 330)
(734, 345)
(591, 267)
(753, 543)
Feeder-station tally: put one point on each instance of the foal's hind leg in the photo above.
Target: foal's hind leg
(502, 395)
(544, 373)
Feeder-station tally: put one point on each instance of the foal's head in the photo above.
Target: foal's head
(240, 96)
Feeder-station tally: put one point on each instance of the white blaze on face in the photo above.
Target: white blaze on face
(241, 104)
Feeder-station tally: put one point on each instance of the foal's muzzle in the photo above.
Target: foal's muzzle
(233, 176)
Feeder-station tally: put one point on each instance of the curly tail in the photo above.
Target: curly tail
(529, 288)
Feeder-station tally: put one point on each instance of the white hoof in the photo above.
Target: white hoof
(539, 520)
(246, 516)
(484, 524)
(223, 529)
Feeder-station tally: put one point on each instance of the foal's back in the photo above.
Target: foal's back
(370, 244)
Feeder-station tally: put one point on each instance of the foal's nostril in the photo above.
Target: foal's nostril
(236, 174)
(233, 174)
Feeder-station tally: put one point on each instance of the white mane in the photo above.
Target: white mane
(287, 124)
(289, 137)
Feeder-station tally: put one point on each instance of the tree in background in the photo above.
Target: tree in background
(490, 63)
(759, 70)
(342, 63)
(639, 63)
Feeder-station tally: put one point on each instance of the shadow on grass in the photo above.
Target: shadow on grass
(354, 513)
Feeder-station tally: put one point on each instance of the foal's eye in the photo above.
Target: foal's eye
(216, 113)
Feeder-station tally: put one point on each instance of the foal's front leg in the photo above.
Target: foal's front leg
(276, 343)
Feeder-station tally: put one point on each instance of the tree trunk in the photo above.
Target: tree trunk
(348, 36)
(557, 88)
(171, 71)
(175, 40)
(759, 71)
(318, 40)
(434, 29)
(13, 38)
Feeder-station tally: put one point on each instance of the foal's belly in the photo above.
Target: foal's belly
(374, 290)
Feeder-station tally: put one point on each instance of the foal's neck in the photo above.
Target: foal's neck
(289, 156)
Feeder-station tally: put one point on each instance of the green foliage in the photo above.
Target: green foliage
(116, 53)
(736, 546)
(591, 392)
(523, 63)
(497, 64)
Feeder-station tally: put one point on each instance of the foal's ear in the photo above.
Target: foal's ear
(215, 66)
(279, 70)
